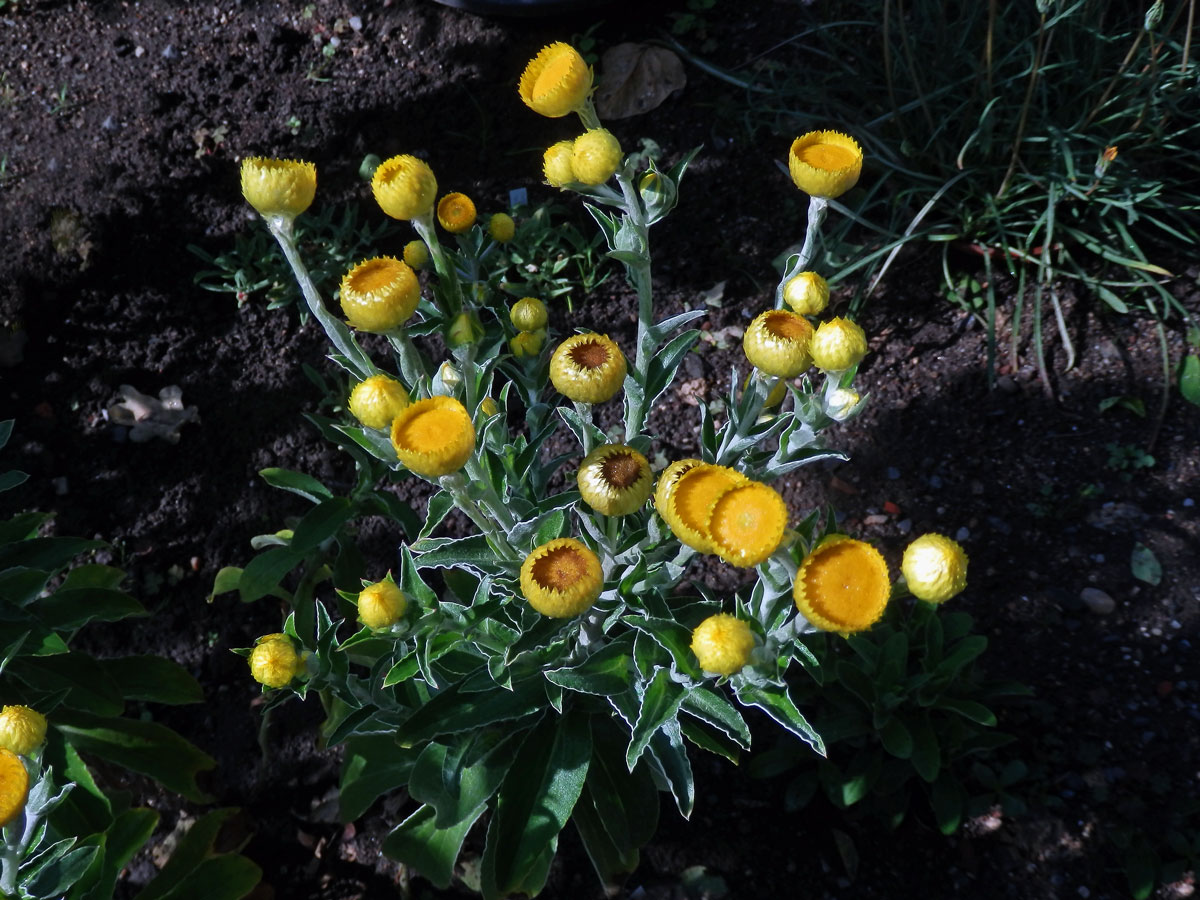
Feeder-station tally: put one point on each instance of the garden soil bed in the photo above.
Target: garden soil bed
(121, 126)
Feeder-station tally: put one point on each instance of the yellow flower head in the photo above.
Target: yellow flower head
(614, 480)
(456, 213)
(379, 294)
(595, 156)
(825, 163)
(274, 661)
(527, 343)
(746, 523)
(14, 786)
(416, 255)
(404, 187)
(587, 368)
(556, 82)
(561, 579)
(278, 187)
(777, 342)
(501, 228)
(837, 345)
(935, 568)
(842, 585)
(723, 644)
(556, 164)
(22, 729)
(668, 479)
(434, 437)
(377, 400)
(381, 605)
(807, 293)
(529, 314)
(689, 504)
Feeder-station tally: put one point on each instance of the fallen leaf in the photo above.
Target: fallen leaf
(636, 78)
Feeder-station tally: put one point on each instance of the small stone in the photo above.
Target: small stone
(904, 526)
(1097, 601)
(1189, 502)
(1007, 384)
(1083, 892)
(169, 52)
(893, 473)
(139, 52)
(935, 481)
(109, 123)
(355, 23)
(962, 534)
(60, 485)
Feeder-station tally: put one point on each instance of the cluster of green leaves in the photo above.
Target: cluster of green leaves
(76, 836)
(904, 713)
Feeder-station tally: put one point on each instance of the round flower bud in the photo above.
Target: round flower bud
(746, 523)
(562, 578)
(377, 400)
(501, 228)
(456, 213)
(14, 786)
(807, 293)
(840, 403)
(777, 343)
(416, 255)
(274, 661)
(381, 605)
(529, 314)
(843, 585)
(404, 187)
(837, 345)
(587, 368)
(556, 164)
(723, 644)
(527, 344)
(825, 163)
(935, 568)
(556, 82)
(22, 729)
(278, 187)
(595, 156)
(379, 294)
(434, 437)
(614, 480)
(466, 329)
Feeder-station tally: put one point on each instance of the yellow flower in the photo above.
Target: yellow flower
(278, 187)
(842, 585)
(595, 157)
(614, 480)
(689, 504)
(379, 294)
(556, 82)
(22, 729)
(456, 213)
(527, 343)
(434, 437)
(377, 400)
(404, 187)
(723, 644)
(825, 163)
(556, 164)
(14, 786)
(935, 568)
(501, 228)
(837, 345)
(561, 579)
(667, 481)
(529, 314)
(587, 368)
(807, 293)
(381, 605)
(274, 661)
(777, 342)
(746, 524)
(416, 255)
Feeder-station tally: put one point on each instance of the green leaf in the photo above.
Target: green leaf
(665, 364)
(58, 875)
(673, 637)
(194, 848)
(458, 792)
(1145, 565)
(374, 764)
(22, 526)
(439, 507)
(926, 754)
(153, 678)
(70, 609)
(12, 479)
(964, 652)
(227, 876)
(297, 483)
(86, 685)
(264, 573)
(607, 671)
(627, 801)
(228, 579)
(418, 842)
(612, 858)
(85, 809)
(948, 800)
(472, 551)
(896, 739)
(127, 834)
(321, 523)
(49, 553)
(1189, 379)
(454, 710)
(669, 754)
(659, 705)
(93, 575)
(968, 709)
(777, 704)
(19, 587)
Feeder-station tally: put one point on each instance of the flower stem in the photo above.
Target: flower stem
(457, 486)
(412, 367)
(446, 272)
(638, 273)
(817, 207)
(585, 413)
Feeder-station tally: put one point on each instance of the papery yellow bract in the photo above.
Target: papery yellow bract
(434, 437)
(501, 228)
(595, 156)
(689, 503)
(562, 578)
(614, 480)
(456, 213)
(379, 294)
(807, 294)
(557, 166)
(843, 585)
(274, 661)
(377, 400)
(777, 343)
(723, 644)
(416, 254)
(746, 524)
(529, 314)
(22, 729)
(837, 345)
(825, 163)
(934, 568)
(381, 605)
(14, 786)
(526, 344)
(404, 187)
(587, 368)
(278, 187)
(556, 82)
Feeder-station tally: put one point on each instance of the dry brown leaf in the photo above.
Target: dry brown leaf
(636, 78)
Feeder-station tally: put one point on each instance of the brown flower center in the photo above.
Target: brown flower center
(621, 470)
(560, 569)
(785, 325)
(589, 355)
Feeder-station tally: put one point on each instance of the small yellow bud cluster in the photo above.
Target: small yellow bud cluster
(530, 317)
(274, 661)
(381, 605)
(22, 730)
(590, 159)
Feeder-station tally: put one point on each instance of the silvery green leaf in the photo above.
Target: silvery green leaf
(666, 326)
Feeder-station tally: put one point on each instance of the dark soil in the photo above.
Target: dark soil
(121, 126)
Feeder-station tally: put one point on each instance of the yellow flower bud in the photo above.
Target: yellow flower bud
(456, 213)
(595, 156)
(488, 407)
(614, 480)
(376, 401)
(837, 345)
(14, 786)
(22, 729)
(556, 82)
(723, 644)
(404, 187)
(527, 344)
(556, 164)
(777, 343)
(379, 294)
(562, 578)
(501, 228)
(466, 329)
(381, 605)
(807, 293)
(416, 255)
(278, 187)
(274, 661)
(434, 437)
(587, 368)
(935, 568)
(840, 403)
(825, 163)
(529, 314)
